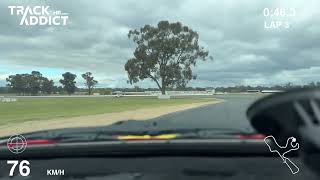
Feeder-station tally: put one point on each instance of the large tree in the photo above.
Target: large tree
(165, 54)
(90, 82)
(68, 82)
(19, 83)
(33, 83)
(47, 86)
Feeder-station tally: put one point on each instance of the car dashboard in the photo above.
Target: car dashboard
(166, 167)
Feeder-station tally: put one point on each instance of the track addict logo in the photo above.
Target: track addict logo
(39, 15)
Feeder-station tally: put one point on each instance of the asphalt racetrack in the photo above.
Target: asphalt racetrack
(228, 114)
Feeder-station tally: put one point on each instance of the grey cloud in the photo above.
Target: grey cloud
(96, 39)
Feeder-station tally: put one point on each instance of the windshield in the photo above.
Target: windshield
(118, 70)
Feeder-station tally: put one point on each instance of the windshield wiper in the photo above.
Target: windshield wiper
(101, 134)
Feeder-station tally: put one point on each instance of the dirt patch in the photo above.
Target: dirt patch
(96, 120)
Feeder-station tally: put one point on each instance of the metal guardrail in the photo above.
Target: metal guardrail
(95, 96)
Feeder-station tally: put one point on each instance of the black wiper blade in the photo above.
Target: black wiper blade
(86, 138)
(107, 134)
(64, 137)
(199, 130)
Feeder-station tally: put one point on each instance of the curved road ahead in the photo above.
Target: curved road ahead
(228, 114)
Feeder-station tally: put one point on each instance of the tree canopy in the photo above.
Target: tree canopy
(32, 84)
(165, 54)
(90, 81)
(68, 82)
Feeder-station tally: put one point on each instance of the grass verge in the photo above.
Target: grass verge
(28, 109)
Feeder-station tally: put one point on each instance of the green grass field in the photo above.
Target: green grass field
(27, 109)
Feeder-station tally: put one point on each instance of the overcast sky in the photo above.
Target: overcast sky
(95, 39)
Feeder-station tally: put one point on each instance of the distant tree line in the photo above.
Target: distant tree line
(35, 84)
(287, 86)
(229, 89)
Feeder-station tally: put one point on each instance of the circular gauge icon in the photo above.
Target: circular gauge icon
(17, 144)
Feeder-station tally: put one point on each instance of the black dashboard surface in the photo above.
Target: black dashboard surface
(156, 168)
